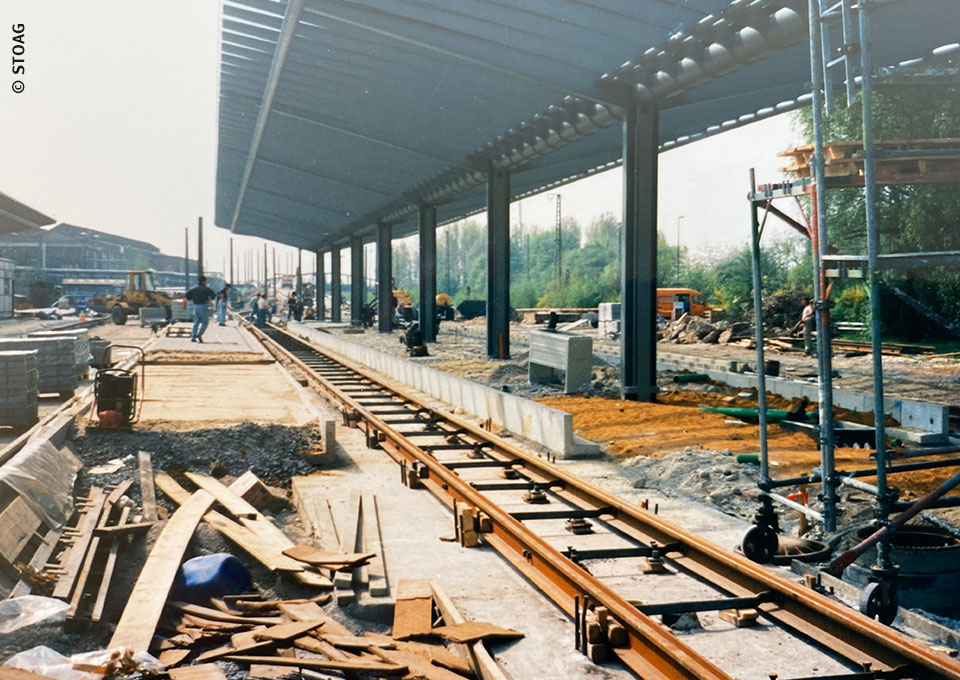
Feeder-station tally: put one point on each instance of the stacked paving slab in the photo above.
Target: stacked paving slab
(82, 355)
(18, 388)
(56, 361)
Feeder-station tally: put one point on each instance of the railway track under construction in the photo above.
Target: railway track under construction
(514, 501)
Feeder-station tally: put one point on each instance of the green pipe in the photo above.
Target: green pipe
(748, 458)
(751, 415)
(691, 378)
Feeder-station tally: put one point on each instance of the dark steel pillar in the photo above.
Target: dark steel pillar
(428, 271)
(356, 281)
(498, 264)
(321, 288)
(335, 299)
(638, 308)
(384, 278)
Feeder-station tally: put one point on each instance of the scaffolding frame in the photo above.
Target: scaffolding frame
(880, 595)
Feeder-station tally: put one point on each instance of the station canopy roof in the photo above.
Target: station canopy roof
(335, 115)
(16, 217)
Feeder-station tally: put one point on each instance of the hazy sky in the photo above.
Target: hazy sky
(116, 130)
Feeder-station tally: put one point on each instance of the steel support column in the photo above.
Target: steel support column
(498, 264)
(321, 288)
(335, 299)
(384, 278)
(638, 257)
(428, 271)
(356, 281)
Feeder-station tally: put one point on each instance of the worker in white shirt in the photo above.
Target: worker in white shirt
(809, 321)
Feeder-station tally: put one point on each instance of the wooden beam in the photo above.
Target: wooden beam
(482, 662)
(145, 604)
(74, 559)
(148, 494)
(108, 568)
(413, 612)
(343, 580)
(373, 543)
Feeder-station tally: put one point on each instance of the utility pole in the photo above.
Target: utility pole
(231, 261)
(266, 288)
(678, 250)
(559, 199)
(300, 272)
(186, 259)
(446, 236)
(274, 272)
(199, 248)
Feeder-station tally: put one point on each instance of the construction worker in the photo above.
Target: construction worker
(223, 300)
(809, 321)
(263, 310)
(200, 295)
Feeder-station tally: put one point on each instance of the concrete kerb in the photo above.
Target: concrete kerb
(547, 426)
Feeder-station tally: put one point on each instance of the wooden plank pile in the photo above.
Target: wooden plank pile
(430, 639)
(358, 533)
(77, 564)
(904, 157)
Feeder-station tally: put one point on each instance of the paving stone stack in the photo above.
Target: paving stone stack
(98, 350)
(18, 388)
(56, 361)
(81, 336)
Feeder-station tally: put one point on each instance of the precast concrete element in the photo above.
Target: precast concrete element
(927, 421)
(152, 315)
(544, 425)
(570, 353)
(56, 361)
(328, 434)
(81, 338)
(18, 388)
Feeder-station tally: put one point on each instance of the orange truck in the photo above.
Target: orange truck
(692, 301)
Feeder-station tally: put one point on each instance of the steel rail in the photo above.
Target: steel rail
(653, 652)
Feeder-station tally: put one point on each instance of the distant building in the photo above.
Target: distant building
(86, 262)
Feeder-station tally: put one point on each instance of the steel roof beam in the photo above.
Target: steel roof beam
(453, 55)
(290, 20)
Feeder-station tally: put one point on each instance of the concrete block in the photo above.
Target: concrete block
(925, 416)
(328, 428)
(570, 353)
(609, 311)
(150, 316)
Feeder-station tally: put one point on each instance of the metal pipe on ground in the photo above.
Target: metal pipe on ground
(843, 561)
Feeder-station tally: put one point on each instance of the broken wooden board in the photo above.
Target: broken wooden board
(18, 524)
(145, 603)
(288, 630)
(263, 549)
(484, 666)
(323, 664)
(252, 489)
(217, 615)
(205, 671)
(274, 605)
(311, 611)
(413, 612)
(108, 567)
(350, 532)
(326, 560)
(420, 665)
(310, 499)
(471, 631)
(148, 493)
(37, 562)
(73, 561)
(373, 543)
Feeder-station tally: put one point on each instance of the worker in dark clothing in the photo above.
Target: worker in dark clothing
(223, 302)
(200, 295)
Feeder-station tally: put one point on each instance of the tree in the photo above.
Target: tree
(912, 218)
